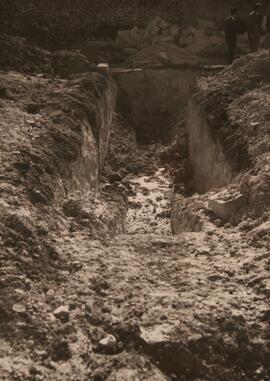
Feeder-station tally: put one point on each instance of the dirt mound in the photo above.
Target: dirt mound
(233, 109)
(17, 54)
(48, 150)
(246, 73)
(70, 62)
(227, 98)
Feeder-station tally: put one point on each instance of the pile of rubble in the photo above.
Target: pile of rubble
(159, 31)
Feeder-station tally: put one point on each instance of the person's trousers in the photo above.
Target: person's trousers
(254, 42)
(231, 45)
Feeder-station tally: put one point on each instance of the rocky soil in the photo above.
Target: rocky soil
(94, 286)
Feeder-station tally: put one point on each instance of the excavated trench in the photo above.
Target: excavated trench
(178, 307)
(159, 106)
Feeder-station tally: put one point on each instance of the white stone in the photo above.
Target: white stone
(108, 342)
(19, 308)
(62, 313)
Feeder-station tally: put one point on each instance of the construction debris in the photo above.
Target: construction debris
(159, 32)
(226, 203)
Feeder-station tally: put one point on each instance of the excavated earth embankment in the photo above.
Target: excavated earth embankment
(94, 285)
(54, 138)
(227, 128)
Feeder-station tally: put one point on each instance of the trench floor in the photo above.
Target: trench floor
(169, 308)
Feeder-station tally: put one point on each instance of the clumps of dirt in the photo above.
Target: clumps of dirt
(100, 214)
(245, 74)
(122, 151)
(47, 152)
(17, 54)
(175, 159)
(66, 62)
(235, 104)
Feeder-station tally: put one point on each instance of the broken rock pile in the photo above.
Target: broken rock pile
(159, 31)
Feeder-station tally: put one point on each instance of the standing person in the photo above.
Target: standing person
(255, 28)
(231, 31)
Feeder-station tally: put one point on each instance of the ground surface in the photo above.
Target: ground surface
(193, 307)
(96, 287)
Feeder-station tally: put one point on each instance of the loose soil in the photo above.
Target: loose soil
(94, 285)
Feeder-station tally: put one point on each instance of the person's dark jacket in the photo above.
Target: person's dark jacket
(234, 26)
(255, 24)
(230, 28)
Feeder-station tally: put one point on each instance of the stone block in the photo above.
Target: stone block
(224, 205)
(166, 39)
(130, 38)
(135, 30)
(155, 31)
(155, 40)
(206, 24)
(165, 33)
(124, 34)
(163, 24)
(174, 31)
(153, 25)
(129, 51)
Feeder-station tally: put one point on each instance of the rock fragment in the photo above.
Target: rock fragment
(19, 308)
(109, 342)
(62, 313)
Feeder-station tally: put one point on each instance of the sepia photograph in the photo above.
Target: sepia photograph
(134, 190)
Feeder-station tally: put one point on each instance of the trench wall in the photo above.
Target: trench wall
(209, 166)
(95, 126)
(154, 101)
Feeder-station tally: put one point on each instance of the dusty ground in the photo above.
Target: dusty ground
(94, 286)
(193, 307)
